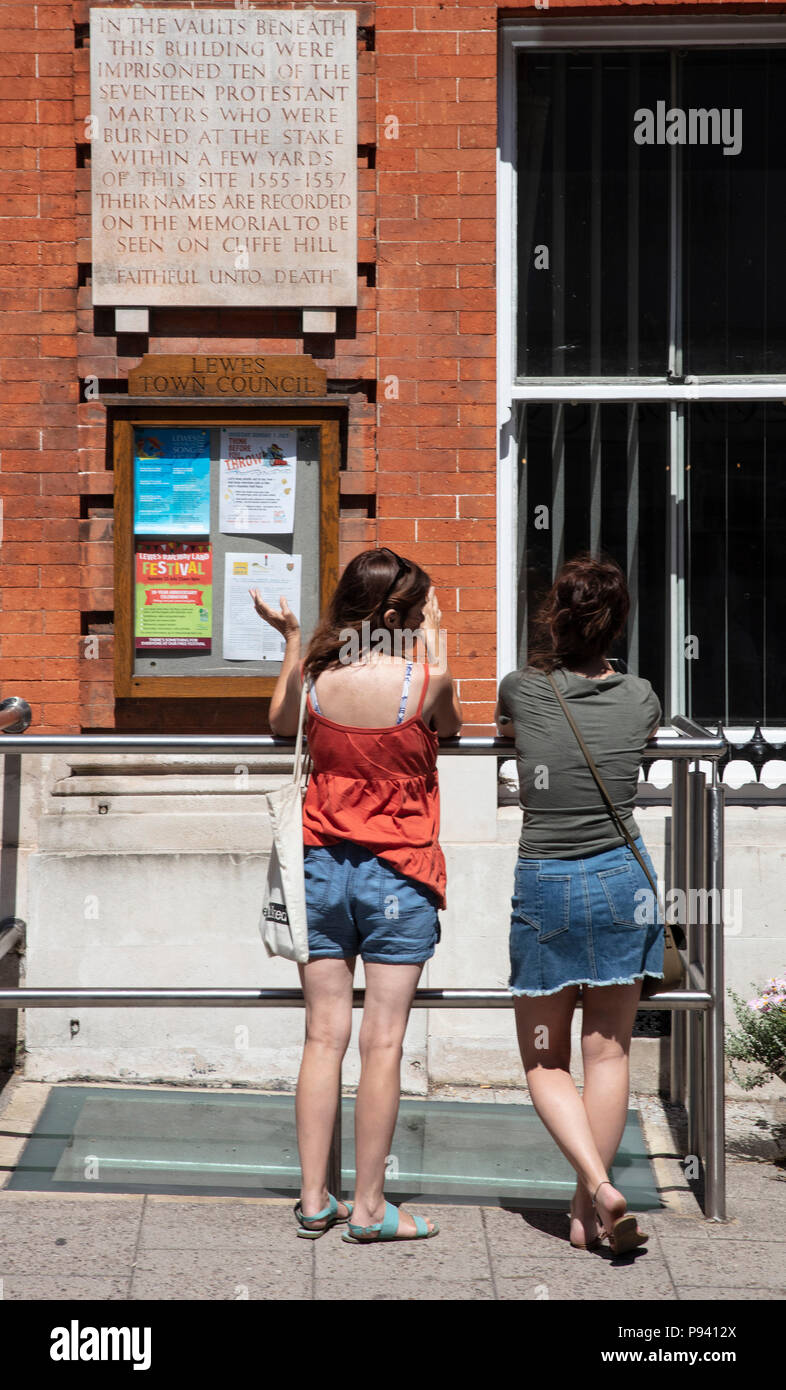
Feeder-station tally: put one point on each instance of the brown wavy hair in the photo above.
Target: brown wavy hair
(361, 595)
(583, 613)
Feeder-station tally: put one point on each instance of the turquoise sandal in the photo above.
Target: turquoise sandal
(330, 1217)
(387, 1229)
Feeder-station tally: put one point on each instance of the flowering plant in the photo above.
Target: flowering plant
(762, 1034)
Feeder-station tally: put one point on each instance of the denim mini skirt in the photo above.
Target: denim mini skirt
(588, 921)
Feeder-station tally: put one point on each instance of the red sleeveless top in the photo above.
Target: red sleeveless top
(378, 788)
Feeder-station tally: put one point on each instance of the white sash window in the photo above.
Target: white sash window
(642, 341)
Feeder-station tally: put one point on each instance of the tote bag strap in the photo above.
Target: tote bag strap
(611, 808)
(302, 765)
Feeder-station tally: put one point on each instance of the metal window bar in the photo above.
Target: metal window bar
(674, 368)
(632, 506)
(558, 228)
(703, 994)
(764, 539)
(676, 563)
(596, 216)
(558, 488)
(596, 474)
(634, 194)
(632, 534)
(525, 501)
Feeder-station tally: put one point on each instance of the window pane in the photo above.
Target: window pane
(735, 214)
(736, 499)
(601, 473)
(592, 216)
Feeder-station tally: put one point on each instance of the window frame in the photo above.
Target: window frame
(666, 32)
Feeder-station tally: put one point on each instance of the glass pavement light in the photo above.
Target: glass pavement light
(90, 1139)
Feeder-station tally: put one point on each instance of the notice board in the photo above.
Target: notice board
(213, 498)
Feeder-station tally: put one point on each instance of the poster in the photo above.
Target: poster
(171, 481)
(257, 480)
(174, 597)
(247, 637)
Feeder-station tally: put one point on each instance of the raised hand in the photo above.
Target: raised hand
(284, 621)
(430, 624)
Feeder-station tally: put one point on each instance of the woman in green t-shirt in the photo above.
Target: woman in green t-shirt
(583, 914)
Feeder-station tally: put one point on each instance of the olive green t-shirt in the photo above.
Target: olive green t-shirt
(565, 816)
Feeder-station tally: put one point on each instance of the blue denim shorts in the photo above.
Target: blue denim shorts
(584, 922)
(357, 904)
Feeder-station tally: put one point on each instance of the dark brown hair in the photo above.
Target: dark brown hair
(583, 613)
(363, 594)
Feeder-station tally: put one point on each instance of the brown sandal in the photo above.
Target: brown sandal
(624, 1234)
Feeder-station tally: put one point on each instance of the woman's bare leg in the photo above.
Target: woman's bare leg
(543, 1027)
(607, 1025)
(389, 993)
(327, 986)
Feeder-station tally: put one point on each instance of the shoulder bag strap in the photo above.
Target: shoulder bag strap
(614, 813)
(302, 765)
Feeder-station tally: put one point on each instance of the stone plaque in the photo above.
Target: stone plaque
(224, 156)
(225, 374)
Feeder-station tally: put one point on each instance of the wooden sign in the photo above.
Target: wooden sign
(226, 375)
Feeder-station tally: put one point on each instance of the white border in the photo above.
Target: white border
(507, 491)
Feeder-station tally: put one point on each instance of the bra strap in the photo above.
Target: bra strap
(312, 695)
(404, 692)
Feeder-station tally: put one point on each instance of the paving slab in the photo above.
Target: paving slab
(165, 1275)
(631, 1283)
(610, 1276)
(26, 1288)
(513, 1232)
(174, 1223)
(702, 1292)
(68, 1236)
(742, 1263)
(415, 1287)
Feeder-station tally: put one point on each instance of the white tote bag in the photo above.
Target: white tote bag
(283, 920)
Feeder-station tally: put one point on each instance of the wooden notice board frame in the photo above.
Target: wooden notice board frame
(123, 414)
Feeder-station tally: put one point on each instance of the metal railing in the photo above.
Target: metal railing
(696, 871)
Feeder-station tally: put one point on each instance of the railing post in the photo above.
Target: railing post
(697, 955)
(679, 875)
(715, 1200)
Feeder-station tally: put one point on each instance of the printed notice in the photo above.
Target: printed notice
(224, 155)
(257, 480)
(173, 598)
(247, 637)
(171, 481)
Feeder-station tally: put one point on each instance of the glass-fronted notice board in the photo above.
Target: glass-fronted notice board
(209, 506)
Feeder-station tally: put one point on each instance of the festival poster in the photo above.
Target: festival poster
(257, 480)
(171, 481)
(174, 597)
(247, 637)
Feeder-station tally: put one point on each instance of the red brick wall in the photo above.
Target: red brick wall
(39, 481)
(436, 443)
(420, 349)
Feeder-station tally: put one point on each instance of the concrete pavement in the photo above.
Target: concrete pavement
(130, 1247)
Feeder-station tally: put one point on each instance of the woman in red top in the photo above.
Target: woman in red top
(375, 873)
